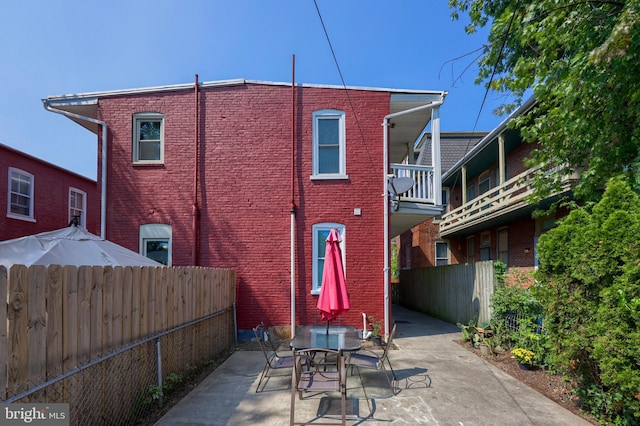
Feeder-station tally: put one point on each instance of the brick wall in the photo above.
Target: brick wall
(515, 159)
(244, 190)
(50, 196)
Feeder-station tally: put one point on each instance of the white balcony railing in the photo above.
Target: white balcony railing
(423, 189)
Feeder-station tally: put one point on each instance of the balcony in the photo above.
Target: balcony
(417, 204)
(497, 205)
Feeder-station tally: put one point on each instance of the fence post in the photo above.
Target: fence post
(159, 361)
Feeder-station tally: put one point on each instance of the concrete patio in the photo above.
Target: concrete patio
(440, 383)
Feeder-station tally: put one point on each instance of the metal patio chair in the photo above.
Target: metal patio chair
(327, 374)
(365, 358)
(274, 359)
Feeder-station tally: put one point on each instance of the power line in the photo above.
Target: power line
(493, 73)
(335, 60)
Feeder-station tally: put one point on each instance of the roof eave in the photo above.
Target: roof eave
(489, 138)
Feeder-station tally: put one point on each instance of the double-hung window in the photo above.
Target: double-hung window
(442, 253)
(503, 245)
(471, 250)
(77, 207)
(485, 246)
(148, 138)
(329, 152)
(20, 205)
(484, 185)
(320, 234)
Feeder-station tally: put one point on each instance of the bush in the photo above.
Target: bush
(517, 317)
(589, 286)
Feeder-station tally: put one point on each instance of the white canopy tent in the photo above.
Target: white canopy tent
(68, 246)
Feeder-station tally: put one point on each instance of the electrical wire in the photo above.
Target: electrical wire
(335, 60)
(493, 73)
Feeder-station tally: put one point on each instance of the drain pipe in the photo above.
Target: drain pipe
(103, 188)
(385, 160)
(293, 202)
(196, 169)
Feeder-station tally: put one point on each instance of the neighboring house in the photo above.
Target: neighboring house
(419, 246)
(252, 176)
(488, 216)
(39, 196)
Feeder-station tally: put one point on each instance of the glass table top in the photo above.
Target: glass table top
(339, 337)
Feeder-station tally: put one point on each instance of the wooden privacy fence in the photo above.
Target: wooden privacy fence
(453, 293)
(59, 318)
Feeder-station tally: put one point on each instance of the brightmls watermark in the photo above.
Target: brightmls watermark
(36, 414)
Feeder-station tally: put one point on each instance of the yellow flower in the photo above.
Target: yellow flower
(524, 356)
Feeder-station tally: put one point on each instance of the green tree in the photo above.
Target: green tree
(580, 60)
(589, 286)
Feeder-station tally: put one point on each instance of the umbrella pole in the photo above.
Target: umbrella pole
(327, 327)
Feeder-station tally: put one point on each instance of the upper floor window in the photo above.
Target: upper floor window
(148, 138)
(484, 184)
(155, 242)
(78, 207)
(320, 234)
(445, 199)
(20, 205)
(329, 152)
(471, 191)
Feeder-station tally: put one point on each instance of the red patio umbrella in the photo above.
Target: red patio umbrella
(334, 299)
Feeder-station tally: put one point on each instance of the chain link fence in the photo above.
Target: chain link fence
(514, 321)
(125, 386)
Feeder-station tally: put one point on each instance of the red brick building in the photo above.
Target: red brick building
(39, 196)
(252, 175)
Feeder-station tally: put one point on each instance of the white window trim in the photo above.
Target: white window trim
(147, 116)
(156, 231)
(30, 217)
(435, 252)
(342, 155)
(83, 214)
(315, 286)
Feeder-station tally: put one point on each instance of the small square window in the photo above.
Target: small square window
(148, 138)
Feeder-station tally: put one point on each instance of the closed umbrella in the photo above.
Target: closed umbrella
(334, 299)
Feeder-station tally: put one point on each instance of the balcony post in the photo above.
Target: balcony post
(463, 177)
(501, 160)
(435, 155)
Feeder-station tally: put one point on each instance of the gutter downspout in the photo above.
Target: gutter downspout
(103, 179)
(385, 161)
(196, 169)
(293, 203)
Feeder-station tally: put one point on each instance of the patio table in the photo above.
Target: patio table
(339, 338)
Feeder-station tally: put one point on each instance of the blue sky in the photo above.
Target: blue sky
(68, 46)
